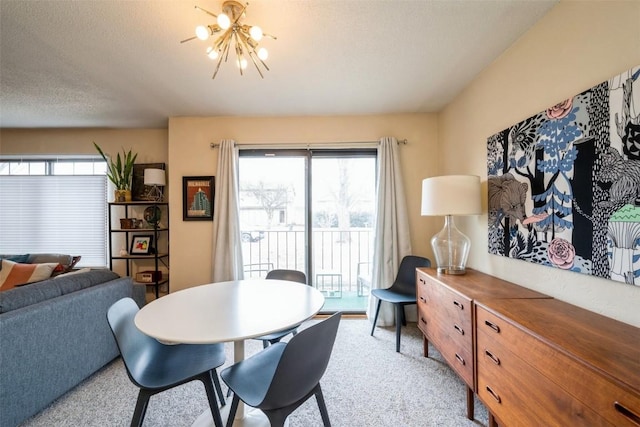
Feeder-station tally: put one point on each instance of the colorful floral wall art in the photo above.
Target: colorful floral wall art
(564, 184)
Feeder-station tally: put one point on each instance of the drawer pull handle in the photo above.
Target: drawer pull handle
(460, 359)
(422, 320)
(494, 394)
(422, 280)
(492, 326)
(459, 329)
(423, 299)
(459, 305)
(627, 412)
(491, 356)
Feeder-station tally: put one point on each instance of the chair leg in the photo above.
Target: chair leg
(206, 379)
(216, 383)
(375, 318)
(323, 407)
(399, 310)
(403, 315)
(141, 408)
(233, 410)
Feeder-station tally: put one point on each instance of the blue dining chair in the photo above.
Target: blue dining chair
(293, 276)
(280, 378)
(156, 367)
(401, 293)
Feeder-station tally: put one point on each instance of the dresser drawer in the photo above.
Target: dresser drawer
(609, 399)
(444, 298)
(425, 322)
(452, 305)
(448, 305)
(519, 395)
(459, 357)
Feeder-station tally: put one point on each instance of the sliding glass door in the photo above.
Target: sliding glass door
(312, 211)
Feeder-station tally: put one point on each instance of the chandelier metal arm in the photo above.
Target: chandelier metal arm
(224, 54)
(189, 39)
(239, 55)
(206, 11)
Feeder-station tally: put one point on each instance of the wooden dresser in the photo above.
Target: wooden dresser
(446, 316)
(546, 362)
(533, 360)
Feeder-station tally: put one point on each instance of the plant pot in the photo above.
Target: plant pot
(122, 196)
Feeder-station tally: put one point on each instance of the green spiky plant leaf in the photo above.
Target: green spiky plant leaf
(119, 171)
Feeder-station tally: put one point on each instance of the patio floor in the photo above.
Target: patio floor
(349, 302)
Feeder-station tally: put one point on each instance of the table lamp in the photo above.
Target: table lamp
(155, 179)
(447, 196)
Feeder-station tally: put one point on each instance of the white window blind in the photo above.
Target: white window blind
(55, 214)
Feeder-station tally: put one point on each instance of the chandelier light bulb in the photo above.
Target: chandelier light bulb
(256, 33)
(241, 63)
(202, 32)
(223, 21)
(212, 53)
(263, 53)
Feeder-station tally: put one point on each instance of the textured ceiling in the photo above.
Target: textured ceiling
(121, 64)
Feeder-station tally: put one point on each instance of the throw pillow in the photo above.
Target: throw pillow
(14, 274)
(15, 258)
(63, 267)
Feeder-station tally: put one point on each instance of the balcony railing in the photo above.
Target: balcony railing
(338, 256)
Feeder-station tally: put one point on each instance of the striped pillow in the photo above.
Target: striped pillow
(15, 274)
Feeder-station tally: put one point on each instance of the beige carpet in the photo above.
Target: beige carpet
(366, 384)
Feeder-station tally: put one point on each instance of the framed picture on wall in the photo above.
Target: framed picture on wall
(139, 191)
(197, 194)
(141, 244)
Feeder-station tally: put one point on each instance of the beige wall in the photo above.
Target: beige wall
(191, 155)
(574, 47)
(150, 144)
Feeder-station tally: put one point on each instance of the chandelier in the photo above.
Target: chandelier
(234, 34)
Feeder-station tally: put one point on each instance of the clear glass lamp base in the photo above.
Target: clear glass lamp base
(451, 249)
(450, 270)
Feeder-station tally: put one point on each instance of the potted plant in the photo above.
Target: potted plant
(120, 173)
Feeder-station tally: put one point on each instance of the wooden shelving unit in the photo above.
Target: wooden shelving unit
(160, 244)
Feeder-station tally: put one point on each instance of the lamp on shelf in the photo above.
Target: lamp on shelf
(155, 179)
(448, 196)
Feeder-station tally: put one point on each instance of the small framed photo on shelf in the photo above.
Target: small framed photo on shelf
(197, 198)
(141, 244)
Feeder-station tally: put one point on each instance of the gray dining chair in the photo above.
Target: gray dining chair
(156, 367)
(293, 276)
(401, 293)
(280, 378)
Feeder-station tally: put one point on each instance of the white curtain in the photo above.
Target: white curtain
(227, 249)
(392, 239)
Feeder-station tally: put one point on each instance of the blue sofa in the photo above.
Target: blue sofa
(53, 335)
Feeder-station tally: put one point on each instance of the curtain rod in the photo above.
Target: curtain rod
(308, 145)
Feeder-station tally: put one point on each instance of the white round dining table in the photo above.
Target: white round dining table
(229, 312)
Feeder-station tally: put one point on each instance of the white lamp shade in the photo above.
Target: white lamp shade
(154, 177)
(451, 195)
